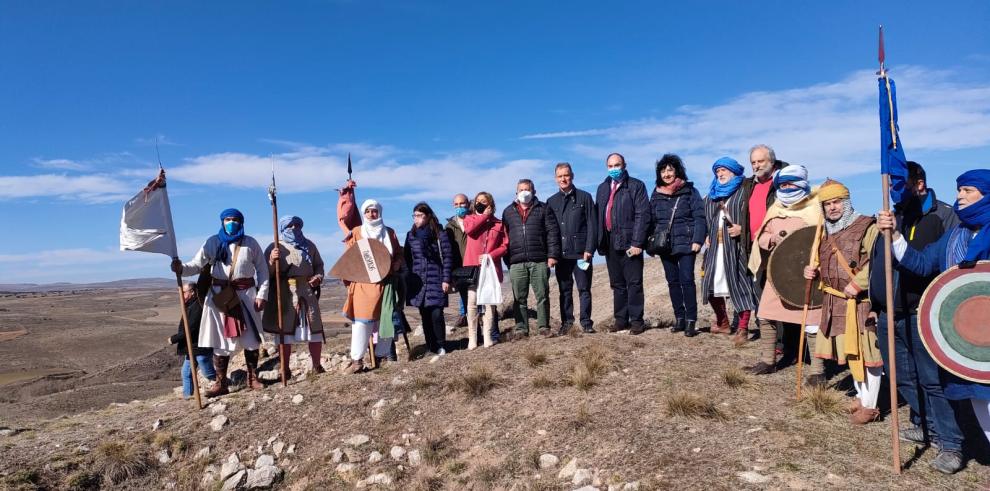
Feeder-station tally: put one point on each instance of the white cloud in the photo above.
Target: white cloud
(832, 127)
(88, 188)
(60, 164)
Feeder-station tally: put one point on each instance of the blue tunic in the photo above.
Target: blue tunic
(934, 258)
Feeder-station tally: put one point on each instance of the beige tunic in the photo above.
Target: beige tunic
(301, 320)
(771, 308)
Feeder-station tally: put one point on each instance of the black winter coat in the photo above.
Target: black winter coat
(689, 225)
(928, 227)
(194, 312)
(577, 217)
(630, 215)
(429, 263)
(536, 240)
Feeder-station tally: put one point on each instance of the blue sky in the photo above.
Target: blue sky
(438, 97)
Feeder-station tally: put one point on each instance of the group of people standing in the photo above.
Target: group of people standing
(735, 227)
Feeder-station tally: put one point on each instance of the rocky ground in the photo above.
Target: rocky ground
(600, 411)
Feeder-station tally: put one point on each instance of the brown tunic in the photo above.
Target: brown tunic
(855, 246)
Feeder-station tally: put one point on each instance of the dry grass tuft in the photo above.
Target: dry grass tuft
(489, 474)
(170, 441)
(824, 400)
(427, 479)
(423, 382)
(534, 358)
(693, 406)
(735, 378)
(581, 418)
(543, 382)
(477, 382)
(592, 362)
(116, 461)
(438, 449)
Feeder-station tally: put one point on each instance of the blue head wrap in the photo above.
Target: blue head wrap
(223, 251)
(718, 190)
(294, 236)
(977, 215)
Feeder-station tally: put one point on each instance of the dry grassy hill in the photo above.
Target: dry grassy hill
(612, 411)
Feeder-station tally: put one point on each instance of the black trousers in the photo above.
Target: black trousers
(679, 271)
(434, 328)
(568, 274)
(625, 275)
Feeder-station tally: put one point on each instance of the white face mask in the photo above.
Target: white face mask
(525, 197)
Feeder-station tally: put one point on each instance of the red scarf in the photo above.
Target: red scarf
(673, 187)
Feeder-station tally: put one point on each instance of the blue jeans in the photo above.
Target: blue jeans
(463, 295)
(919, 381)
(205, 364)
(679, 271)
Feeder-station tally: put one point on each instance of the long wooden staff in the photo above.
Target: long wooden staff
(889, 280)
(813, 261)
(282, 364)
(189, 343)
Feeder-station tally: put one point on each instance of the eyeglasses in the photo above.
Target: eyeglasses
(419, 215)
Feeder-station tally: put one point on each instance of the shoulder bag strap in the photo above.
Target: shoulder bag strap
(672, 213)
(233, 262)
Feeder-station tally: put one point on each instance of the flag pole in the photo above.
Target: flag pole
(283, 364)
(889, 278)
(182, 306)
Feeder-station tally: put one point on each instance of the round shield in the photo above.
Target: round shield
(952, 321)
(785, 269)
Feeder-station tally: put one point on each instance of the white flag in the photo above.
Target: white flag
(146, 224)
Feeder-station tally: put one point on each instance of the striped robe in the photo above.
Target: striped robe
(742, 291)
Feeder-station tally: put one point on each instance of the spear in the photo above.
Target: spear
(813, 260)
(887, 239)
(278, 277)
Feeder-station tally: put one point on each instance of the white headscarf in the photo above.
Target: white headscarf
(796, 175)
(374, 229)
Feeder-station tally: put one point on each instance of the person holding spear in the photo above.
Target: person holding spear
(301, 273)
(845, 333)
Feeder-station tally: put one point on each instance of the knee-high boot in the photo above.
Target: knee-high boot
(220, 363)
(251, 360)
(315, 350)
(284, 354)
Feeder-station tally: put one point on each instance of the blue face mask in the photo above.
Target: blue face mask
(231, 227)
(460, 211)
(615, 174)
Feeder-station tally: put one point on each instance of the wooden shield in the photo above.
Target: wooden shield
(367, 261)
(952, 321)
(785, 269)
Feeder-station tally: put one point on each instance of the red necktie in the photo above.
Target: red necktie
(608, 208)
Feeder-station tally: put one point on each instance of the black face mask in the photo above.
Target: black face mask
(480, 207)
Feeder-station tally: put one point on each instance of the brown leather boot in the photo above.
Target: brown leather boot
(284, 354)
(251, 361)
(219, 387)
(864, 415)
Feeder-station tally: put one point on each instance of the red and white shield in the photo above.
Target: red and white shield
(954, 321)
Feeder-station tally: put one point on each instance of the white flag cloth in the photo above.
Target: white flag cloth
(489, 289)
(146, 223)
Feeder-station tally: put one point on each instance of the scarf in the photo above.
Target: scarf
(294, 236)
(223, 250)
(976, 217)
(848, 216)
(673, 187)
(375, 229)
(796, 175)
(718, 190)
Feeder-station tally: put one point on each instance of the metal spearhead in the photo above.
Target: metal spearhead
(349, 169)
(881, 55)
(271, 187)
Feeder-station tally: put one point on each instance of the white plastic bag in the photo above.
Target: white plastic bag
(489, 288)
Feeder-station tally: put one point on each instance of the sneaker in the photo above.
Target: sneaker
(564, 328)
(914, 435)
(441, 352)
(588, 329)
(947, 462)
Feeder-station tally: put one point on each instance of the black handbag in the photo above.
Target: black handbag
(660, 241)
(465, 277)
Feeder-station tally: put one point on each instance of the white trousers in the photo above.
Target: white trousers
(360, 333)
(868, 391)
